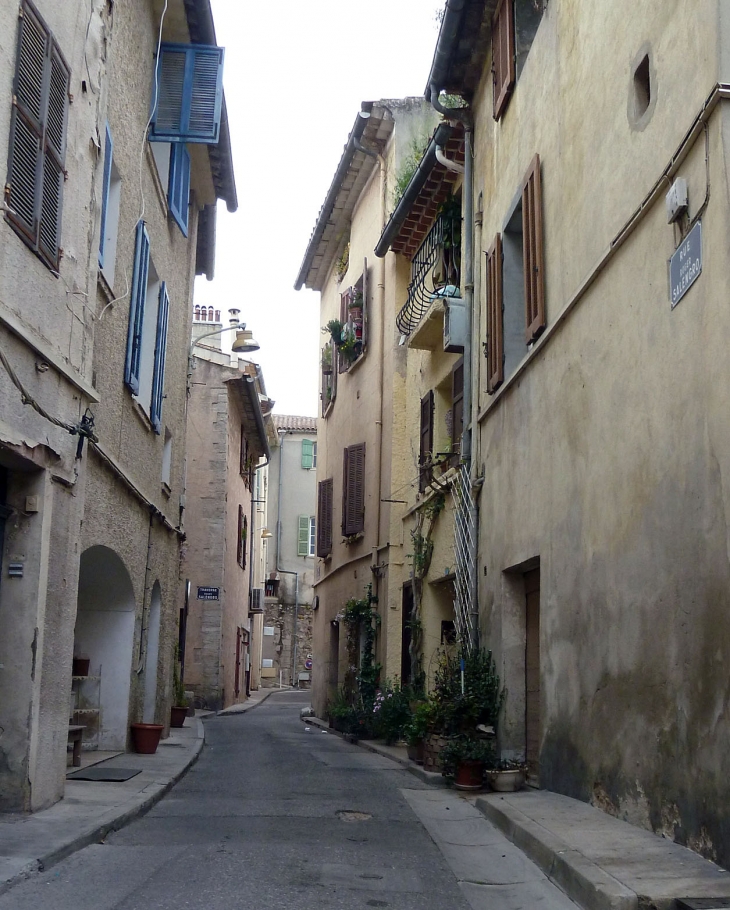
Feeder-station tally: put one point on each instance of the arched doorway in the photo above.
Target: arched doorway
(152, 655)
(105, 634)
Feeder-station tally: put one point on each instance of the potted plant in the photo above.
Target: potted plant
(146, 738)
(507, 776)
(418, 729)
(327, 359)
(355, 305)
(391, 713)
(179, 709)
(334, 330)
(464, 759)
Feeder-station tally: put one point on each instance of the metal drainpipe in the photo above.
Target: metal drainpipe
(464, 115)
(282, 436)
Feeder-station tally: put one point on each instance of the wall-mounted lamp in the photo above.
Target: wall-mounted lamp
(266, 534)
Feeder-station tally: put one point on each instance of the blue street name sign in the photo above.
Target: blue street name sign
(685, 265)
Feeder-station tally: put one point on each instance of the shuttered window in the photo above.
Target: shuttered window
(457, 404)
(312, 535)
(325, 492)
(503, 55)
(425, 450)
(307, 454)
(137, 300)
(495, 331)
(106, 187)
(178, 186)
(158, 375)
(353, 490)
(303, 536)
(37, 144)
(532, 252)
(243, 454)
(242, 538)
(189, 94)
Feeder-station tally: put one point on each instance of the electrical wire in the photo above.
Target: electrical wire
(153, 110)
(27, 398)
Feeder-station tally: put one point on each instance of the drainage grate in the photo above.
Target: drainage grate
(703, 903)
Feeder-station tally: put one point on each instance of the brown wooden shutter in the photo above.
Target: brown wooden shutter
(457, 404)
(243, 455)
(425, 453)
(324, 517)
(37, 144)
(342, 362)
(532, 252)
(239, 546)
(503, 55)
(495, 324)
(353, 490)
(365, 308)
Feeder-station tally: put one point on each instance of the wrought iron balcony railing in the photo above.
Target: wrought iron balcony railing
(437, 263)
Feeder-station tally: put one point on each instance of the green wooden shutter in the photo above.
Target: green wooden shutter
(307, 454)
(303, 537)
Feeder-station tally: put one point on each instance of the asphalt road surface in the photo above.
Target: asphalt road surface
(271, 816)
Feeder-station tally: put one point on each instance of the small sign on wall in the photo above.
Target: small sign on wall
(267, 664)
(268, 630)
(685, 265)
(206, 593)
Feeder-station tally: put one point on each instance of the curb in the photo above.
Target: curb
(432, 778)
(98, 831)
(590, 886)
(229, 712)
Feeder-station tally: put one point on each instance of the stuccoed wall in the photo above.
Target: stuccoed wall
(607, 457)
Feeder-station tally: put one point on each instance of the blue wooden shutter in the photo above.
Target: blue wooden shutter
(108, 154)
(178, 187)
(307, 454)
(303, 537)
(137, 301)
(158, 376)
(189, 94)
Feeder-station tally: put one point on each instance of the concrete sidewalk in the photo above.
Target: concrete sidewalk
(598, 861)
(92, 809)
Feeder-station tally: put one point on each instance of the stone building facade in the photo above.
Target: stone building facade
(227, 438)
(291, 502)
(98, 255)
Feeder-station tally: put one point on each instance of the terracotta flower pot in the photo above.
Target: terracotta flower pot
(146, 738)
(469, 775)
(178, 715)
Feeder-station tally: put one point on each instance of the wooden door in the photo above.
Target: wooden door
(532, 677)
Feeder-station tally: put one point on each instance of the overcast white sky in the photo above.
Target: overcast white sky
(295, 74)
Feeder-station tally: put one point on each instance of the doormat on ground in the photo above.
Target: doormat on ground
(102, 773)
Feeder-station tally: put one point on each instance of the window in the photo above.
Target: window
(307, 454)
(325, 490)
(314, 454)
(353, 490)
(189, 94)
(37, 144)
(144, 371)
(457, 407)
(329, 377)
(242, 538)
(514, 27)
(306, 535)
(353, 316)
(425, 449)
(172, 160)
(243, 465)
(110, 202)
(515, 283)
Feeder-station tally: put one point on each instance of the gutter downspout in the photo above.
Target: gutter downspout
(282, 437)
(464, 115)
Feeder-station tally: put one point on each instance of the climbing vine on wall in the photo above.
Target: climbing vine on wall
(361, 621)
(421, 560)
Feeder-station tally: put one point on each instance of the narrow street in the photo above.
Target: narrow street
(275, 816)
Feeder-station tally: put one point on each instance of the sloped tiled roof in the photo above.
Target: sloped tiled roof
(297, 424)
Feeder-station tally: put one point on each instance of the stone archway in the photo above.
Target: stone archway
(105, 633)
